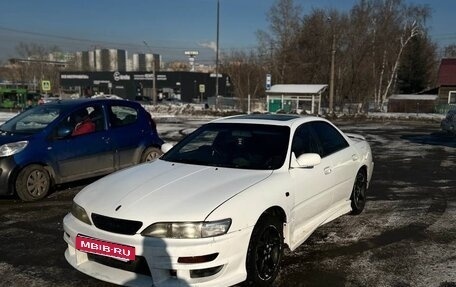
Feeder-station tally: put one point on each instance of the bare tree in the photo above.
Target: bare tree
(246, 74)
(409, 33)
(285, 20)
(396, 23)
(450, 51)
(368, 43)
(34, 65)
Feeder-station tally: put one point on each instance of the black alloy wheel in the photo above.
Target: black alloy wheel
(265, 252)
(358, 196)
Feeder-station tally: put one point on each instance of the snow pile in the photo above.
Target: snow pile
(181, 110)
(407, 116)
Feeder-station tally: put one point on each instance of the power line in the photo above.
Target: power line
(109, 43)
(90, 41)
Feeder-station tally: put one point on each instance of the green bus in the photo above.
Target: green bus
(17, 96)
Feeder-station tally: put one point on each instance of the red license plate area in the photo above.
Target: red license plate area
(105, 248)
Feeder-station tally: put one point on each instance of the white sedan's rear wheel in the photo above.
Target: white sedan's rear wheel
(358, 196)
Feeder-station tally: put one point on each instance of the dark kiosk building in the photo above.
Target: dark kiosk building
(184, 86)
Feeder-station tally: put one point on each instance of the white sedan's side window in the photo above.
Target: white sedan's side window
(304, 141)
(330, 139)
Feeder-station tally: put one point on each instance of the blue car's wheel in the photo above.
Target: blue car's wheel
(151, 154)
(33, 183)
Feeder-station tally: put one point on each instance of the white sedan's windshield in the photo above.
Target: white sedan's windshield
(249, 146)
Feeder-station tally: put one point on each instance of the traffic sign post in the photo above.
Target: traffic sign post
(202, 90)
(268, 81)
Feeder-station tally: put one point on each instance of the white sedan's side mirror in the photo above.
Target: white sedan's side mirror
(306, 160)
(166, 147)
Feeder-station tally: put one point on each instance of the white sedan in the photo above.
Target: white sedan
(219, 207)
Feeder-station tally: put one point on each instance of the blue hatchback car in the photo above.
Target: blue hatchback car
(71, 140)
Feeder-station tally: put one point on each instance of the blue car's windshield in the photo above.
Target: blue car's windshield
(32, 121)
(247, 146)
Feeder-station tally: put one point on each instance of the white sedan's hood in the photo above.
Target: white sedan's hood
(165, 191)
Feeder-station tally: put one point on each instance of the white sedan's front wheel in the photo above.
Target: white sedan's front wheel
(265, 251)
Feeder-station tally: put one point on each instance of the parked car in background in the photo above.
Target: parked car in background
(143, 100)
(448, 124)
(70, 140)
(219, 207)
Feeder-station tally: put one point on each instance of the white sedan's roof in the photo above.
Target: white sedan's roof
(267, 119)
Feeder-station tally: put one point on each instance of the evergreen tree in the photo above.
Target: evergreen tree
(414, 73)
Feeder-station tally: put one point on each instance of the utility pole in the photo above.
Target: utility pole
(217, 52)
(331, 83)
(333, 56)
(154, 87)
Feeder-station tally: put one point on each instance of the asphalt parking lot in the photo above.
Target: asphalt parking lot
(405, 237)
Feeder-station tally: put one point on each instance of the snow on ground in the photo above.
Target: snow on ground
(406, 116)
(4, 116)
(178, 113)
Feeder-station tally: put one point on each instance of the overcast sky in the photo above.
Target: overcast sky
(169, 27)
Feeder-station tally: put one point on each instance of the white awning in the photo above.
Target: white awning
(297, 89)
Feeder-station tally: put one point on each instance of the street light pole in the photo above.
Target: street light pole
(154, 88)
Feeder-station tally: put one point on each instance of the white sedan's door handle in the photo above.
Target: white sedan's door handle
(327, 170)
(355, 157)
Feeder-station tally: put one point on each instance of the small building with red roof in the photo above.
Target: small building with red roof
(446, 81)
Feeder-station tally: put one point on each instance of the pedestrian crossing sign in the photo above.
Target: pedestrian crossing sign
(45, 86)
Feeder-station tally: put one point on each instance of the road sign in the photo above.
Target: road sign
(202, 88)
(45, 86)
(268, 81)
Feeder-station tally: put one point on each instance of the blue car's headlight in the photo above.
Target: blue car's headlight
(12, 148)
(188, 230)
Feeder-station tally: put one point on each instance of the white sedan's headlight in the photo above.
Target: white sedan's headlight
(12, 148)
(187, 230)
(80, 213)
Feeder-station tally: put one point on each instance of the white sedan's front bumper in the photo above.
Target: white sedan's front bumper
(160, 256)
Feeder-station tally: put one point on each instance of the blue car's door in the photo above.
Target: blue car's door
(127, 133)
(85, 152)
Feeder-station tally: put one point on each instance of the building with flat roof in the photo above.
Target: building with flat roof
(184, 86)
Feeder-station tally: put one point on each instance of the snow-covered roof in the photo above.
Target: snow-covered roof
(414, 97)
(297, 89)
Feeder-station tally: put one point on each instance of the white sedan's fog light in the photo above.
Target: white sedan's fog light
(199, 273)
(197, 259)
